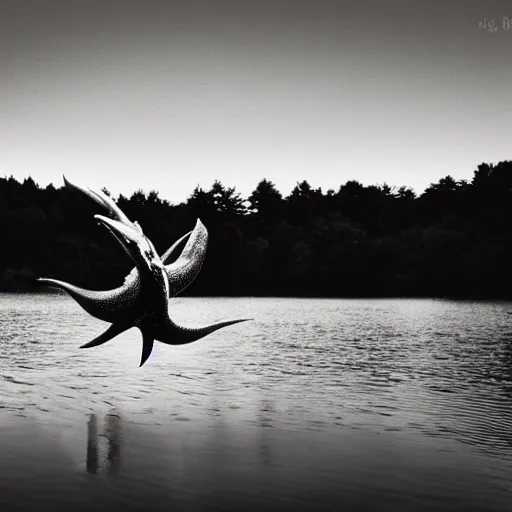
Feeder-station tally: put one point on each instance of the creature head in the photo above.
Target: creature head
(138, 247)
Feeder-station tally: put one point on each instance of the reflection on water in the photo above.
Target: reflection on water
(114, 443)
(316, 405)
(112, 433)
(92, 445)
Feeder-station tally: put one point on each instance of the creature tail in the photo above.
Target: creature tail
(173, 334)
(62, 285)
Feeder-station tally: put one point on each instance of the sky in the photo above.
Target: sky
(168, 95)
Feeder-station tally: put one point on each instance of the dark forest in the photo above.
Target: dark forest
(454, 240)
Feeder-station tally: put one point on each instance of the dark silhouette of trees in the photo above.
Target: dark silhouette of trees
(303, 204)
(454, 239)
(266, 202)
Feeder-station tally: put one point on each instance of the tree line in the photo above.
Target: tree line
(453, 240)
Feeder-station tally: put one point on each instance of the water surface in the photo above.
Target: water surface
(315, 405)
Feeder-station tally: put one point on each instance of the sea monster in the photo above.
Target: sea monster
(142, 300)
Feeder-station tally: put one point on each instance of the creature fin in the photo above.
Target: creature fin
(147, 347)
(111, 332)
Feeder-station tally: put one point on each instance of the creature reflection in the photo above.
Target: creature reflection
(96, 450)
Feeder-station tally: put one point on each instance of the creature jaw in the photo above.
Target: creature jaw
(125, 237)
(140, 250)
(132, 240)
(104, 201)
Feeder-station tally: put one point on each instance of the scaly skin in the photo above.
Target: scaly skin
(142, 300)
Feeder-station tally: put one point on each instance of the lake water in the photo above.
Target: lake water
(395, 405)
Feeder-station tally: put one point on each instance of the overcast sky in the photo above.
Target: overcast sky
(166, 95)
